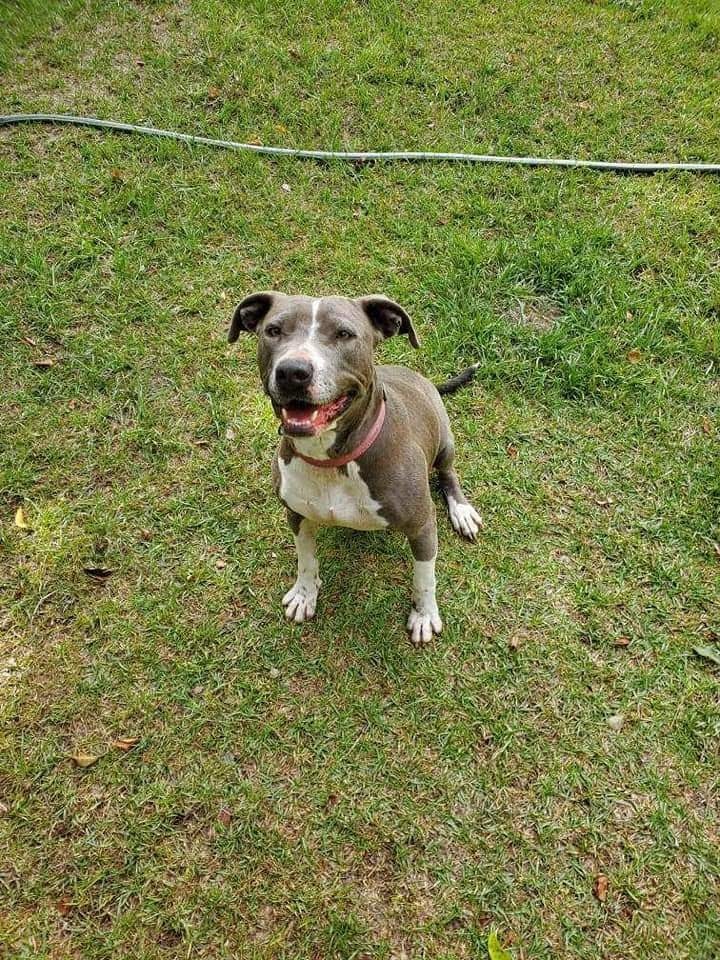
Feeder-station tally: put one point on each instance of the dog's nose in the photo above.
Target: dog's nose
(293, 373)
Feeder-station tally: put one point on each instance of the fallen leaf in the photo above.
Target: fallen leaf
(225, 817)
(84, 759)
(514, 643)
(716, 548)
(600, 888)
(126, 743)
(274, 672)
(512, 451)
(64, 905)
(229, 434)
(622, 641)
(140, 63)
(98, 573)
(606, 502)
(616, 722)
(214, 92)
(3, 809)
(117, 174)
(707, 426)
(29, 341)
(495, 951)
(21, 519)
(44, 363)
(634, 356)
(221, 564)
(201, 443)
(708, 653)
(286, 187)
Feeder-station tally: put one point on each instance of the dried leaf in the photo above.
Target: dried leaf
(622, 641)
(3, 809)
(605, 502)
(201, 443)
(634, 356)
(708, 653)
(21, 520)
(29, 341)
(229, 434)
(225, 817)
(64, 905)
(214, 93)
(512, 451)
(600, 888)
(44, 363)
(221, 564)
(495, 951)
(98, 573)
(84, 759)
(707, 426)
(716, 548)
(286, 187)
(616, 722)
(126, 743)
(514, 643)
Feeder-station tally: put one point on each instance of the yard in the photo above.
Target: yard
(184, 774)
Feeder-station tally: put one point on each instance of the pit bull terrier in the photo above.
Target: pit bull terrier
(358, 440)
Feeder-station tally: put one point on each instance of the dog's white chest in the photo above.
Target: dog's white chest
(329, 497)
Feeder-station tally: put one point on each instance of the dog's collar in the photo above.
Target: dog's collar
(364, 445)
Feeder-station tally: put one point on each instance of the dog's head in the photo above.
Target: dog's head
(316, 355)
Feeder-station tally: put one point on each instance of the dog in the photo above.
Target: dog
(359, 440)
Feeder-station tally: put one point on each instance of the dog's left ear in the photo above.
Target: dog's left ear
(388, 317)
(249, 313)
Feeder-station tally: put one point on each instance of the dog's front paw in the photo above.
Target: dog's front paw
(300, 601)
(465, 519)
(423, 624)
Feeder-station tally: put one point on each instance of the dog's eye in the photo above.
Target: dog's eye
(345, 335)
(273, 330)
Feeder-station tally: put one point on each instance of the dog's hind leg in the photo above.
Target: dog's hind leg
(301, 599)
(463, 515)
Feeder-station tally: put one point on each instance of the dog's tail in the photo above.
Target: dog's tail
(459, 380)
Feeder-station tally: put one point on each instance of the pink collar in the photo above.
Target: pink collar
(364, 445)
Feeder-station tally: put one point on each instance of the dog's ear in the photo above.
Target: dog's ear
(249, 313)
(388, 317)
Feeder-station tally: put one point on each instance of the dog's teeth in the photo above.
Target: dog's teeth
(284, 413)
(314, 415)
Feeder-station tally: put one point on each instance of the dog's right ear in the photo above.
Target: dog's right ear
(249, 313)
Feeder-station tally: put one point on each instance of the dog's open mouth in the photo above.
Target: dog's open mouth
(306, 419)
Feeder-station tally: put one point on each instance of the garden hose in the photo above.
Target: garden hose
(355, 155)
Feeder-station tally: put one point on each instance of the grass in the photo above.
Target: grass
(328, 791)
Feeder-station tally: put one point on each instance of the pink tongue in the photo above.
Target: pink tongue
(300, 414)
(314, 416)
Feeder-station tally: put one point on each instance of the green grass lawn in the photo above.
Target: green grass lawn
(328, 791)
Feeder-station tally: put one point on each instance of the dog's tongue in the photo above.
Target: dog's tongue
(310, 419)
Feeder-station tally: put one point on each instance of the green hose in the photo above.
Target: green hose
(353, 155)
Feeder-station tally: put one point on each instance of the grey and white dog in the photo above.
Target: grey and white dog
(359, 440)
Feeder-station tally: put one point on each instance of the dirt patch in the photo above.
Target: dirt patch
(539, 315)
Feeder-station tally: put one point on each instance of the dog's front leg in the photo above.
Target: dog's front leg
(300, 601)
(424, 619)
